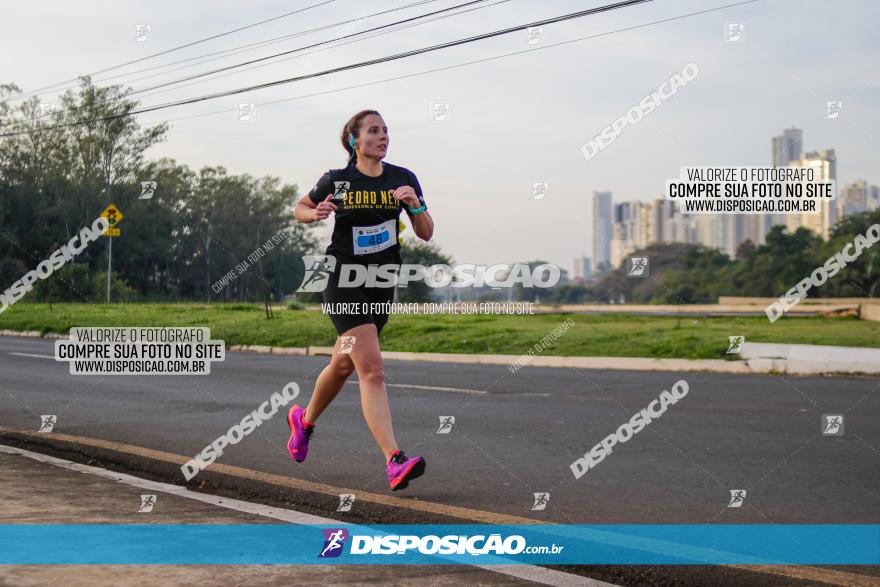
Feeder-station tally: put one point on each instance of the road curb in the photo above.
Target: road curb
(31, 334)
(751, 365)
(251, 485)
(799, 361)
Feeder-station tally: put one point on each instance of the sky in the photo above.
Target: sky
(513, 121)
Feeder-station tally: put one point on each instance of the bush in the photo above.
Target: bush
(120, 291)
(70, 283)
(73, 283)
(11, 270)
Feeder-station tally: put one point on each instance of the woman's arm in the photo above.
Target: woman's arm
(306, 211)
(423, 225)
(309, 210)
(411, 196)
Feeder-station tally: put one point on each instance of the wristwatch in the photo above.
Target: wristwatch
(418, 210)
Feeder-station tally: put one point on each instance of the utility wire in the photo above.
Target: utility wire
(349, 42)
(463, 64)
(258, 60)
(214, 55)
(580, 14)
(184, 46)
(386, 26)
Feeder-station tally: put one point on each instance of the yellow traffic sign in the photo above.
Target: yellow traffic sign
(112, 232)
(113, 215)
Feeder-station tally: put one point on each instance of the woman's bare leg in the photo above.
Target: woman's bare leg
(329, 383)
(374, 398)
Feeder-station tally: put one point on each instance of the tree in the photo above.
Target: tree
(60, 167)
(678, 273)
(861, 277)
(421, 253)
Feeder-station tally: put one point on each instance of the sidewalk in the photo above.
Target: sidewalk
(42, 493)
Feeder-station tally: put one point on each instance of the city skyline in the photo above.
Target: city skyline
(636, 224)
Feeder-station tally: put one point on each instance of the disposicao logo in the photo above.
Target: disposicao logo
(334, 542)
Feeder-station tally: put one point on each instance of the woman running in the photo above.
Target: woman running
(366, 197)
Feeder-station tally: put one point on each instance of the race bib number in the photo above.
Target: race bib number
(371, 239)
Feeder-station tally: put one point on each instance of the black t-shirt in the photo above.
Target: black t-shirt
(365, 230)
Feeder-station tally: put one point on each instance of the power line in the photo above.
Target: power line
(379, 34)
(212, 56)
(248, 46)
(386, 26)
(251, 62)
(580, 14)
(184, 46)
(463, 64)
(466, 63)
(608, 7)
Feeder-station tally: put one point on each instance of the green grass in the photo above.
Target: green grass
(609, 335)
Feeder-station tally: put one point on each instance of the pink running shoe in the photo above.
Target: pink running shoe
(403, 469)
(300, 433)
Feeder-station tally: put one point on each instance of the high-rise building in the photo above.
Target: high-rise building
(786, 148)
(824, 164)
(628, 231)
(661, 210)
(582, 268)
(671, 225)
(602, 229)
(857, 197)
(646, 230)
(716, 231)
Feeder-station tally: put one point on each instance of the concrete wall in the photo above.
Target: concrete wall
(767, 301)
(808, 359)
(870, 312)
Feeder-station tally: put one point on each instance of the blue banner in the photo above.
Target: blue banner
(605, 544)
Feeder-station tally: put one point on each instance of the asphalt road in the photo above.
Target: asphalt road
(514, 434)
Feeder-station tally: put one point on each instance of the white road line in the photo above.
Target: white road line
(431, 388)
(534, 573)
(403, 385)
(452, 389)
(33, 355)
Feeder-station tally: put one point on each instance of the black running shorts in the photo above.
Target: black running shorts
(361, 298)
